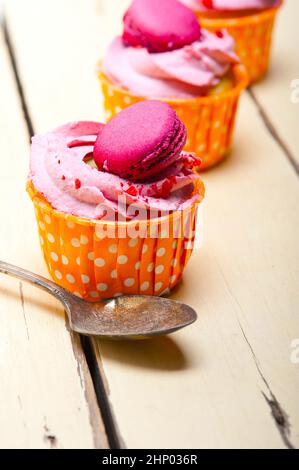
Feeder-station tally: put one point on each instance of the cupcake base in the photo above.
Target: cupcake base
(96, 260)
(210, 120)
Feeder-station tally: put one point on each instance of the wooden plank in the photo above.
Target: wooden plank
(227, 381)
(82, 41)
(278, 95)
(46, 395)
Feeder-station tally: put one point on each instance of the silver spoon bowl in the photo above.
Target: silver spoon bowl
(124, 317)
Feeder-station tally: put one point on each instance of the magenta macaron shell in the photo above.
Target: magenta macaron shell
(160, 25)
(140, 141)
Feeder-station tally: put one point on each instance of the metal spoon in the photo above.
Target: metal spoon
(128, 316)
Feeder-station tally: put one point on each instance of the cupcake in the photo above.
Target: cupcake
(249, 22)
(164, 54)
(116, 204)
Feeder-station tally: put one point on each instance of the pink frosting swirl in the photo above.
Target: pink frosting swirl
(182, 73)
(58, 170)
(230, 5)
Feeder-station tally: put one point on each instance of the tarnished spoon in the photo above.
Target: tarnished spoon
(128, 316)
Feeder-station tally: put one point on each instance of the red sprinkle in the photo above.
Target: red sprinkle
(59, 162)
(77, 184)
(166, 188)
(63, 178)
(132, 191)
(208, 3)
(219, 33)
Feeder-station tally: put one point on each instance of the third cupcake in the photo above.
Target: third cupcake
(164, 54)
(249, 22)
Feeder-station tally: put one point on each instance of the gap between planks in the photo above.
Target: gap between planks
(82, 349)
(102, 391)
(273, 131)
(279, 415)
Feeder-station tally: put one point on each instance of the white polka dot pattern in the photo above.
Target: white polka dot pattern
(70, 278)
(54, 256)
(133, 242)
(144, 286)
(94, 294)
(85, 279)
(150, 267)
(102, 287)
(75, 242)
(96, 268)
(129, 282)
(83, 240)
(161, 252)
(158, 286)
(159, 269)
(51, 238)
(64, 260)
(70, 225)
(99, 262)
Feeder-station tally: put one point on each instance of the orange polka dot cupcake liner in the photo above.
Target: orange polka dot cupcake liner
(210, 120)
(253, 37)
(96, 260)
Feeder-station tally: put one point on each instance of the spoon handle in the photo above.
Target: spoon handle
(34, 279)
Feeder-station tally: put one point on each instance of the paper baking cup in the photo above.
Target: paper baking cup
(209, 120)
(253, 37)
(95, 259)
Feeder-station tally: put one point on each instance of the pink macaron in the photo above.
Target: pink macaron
(160, 25)
(140, 141)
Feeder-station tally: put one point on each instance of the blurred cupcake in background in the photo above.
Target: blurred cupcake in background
(249, 22)
(164, 54)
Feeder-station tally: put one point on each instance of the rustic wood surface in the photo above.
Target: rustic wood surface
(228, 381)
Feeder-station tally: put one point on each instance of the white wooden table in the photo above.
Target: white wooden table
(232, 379)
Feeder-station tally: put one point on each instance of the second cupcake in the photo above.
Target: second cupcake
(164, 54)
